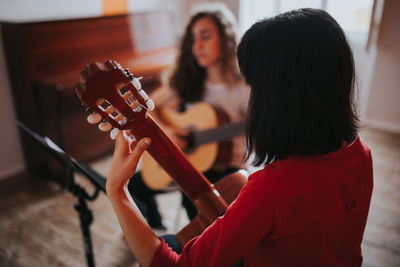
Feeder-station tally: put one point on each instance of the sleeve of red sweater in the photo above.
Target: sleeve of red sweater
(225, 241)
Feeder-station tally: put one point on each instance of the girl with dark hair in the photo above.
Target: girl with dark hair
(206, 70)
(308, 206)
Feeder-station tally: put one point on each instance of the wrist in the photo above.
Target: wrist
(115, 191)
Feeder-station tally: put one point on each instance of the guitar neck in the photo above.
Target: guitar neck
(175, 163)
(221, 133)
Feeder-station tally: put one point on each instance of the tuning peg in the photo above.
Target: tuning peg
(113, 133)
(150, 104)
(129, 74)
(104, 126)
(94, 118)
(143, 94)
(137, 84)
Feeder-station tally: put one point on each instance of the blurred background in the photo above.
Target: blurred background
(45, 43)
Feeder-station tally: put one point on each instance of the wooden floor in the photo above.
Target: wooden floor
(40, 227)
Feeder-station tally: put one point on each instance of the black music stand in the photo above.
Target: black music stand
(71, 165)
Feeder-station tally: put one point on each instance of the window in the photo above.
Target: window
(353, 16)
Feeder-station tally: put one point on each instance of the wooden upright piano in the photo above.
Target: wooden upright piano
(44, 60)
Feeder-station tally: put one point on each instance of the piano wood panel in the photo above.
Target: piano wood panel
(44, 60)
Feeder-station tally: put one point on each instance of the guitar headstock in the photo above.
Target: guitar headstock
(114, 93)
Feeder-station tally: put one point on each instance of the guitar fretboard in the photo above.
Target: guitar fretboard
(218, 134)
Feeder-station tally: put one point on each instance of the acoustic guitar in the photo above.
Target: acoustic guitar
(117, 96)
(208, 141)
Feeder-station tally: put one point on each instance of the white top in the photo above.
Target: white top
(234, 102)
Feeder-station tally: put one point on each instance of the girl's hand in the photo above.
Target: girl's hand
(124, 162)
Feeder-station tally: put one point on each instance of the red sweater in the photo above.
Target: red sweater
(307, 211)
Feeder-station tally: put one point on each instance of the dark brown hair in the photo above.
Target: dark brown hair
(188, 77)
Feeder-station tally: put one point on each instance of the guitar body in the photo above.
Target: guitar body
(201, 116)
(229, 188)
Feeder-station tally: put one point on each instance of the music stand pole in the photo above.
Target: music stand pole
(85, 215)
(70, 165)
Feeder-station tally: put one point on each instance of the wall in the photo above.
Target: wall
(383, 108)
(11, 159)
(364, 61)
(11, 156)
